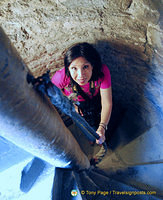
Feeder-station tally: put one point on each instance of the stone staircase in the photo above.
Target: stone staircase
(122, 174)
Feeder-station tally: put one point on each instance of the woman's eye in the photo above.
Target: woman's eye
(73, 68)
(85, 66)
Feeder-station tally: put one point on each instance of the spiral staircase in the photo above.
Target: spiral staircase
(131, 169)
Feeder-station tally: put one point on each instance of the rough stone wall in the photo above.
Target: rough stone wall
(127, 33)
(42, 30)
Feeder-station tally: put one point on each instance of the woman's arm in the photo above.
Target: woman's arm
(106, 102)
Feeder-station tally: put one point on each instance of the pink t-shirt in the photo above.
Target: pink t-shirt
(63, 82)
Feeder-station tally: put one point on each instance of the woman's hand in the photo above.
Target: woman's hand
(101, 132)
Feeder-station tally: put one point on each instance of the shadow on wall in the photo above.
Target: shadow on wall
(129, 72)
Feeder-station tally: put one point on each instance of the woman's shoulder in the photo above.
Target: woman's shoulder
(105, 68)
(60, 72)
(59, 78)
(106, 79)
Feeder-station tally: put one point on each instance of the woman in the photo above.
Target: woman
(87, 82)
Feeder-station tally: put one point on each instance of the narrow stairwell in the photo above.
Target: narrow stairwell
(52, 162)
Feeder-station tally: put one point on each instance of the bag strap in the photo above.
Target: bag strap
(78, 90)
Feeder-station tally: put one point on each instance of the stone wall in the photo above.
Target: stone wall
(42, 30)
(127, 34)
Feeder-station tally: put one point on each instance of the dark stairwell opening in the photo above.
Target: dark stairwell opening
(133, 106)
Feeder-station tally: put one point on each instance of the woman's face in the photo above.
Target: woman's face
(80, 70)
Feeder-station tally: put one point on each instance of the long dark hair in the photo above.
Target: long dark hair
(88, 52)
